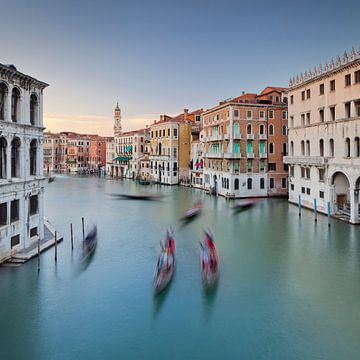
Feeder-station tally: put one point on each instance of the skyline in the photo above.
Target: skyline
(167, 57)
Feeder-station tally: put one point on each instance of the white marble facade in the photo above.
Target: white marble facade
(21, 161)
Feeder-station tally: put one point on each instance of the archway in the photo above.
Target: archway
(341, 186)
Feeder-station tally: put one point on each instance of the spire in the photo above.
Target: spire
(117, 106)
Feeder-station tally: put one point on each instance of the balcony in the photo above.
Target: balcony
(262, 155)
(250, 155)
(262, 136)
(250, 136)
(305, 160)
(217, 137)
(218, 155)
(237, 136)
(229, 155)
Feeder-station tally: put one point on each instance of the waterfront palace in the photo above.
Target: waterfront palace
(324, 137)
(21, 159)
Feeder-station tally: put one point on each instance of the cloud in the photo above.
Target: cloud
(91, 124)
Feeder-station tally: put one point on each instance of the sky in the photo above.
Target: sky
(159, 57)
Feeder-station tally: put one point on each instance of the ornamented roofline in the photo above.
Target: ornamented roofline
(327, 69)
(10, 73)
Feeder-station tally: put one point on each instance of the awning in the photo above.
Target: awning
(122, 158)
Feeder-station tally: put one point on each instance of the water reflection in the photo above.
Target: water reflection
(209, 296)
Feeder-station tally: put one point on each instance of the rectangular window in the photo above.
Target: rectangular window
(262, 183)
(236, 113)
(291, 99)
(14, 211)
(303, 95)
(302, 172)
(249, 114)
(283, 183)
(262, 165)
(307, 170)
(15, 240)
(175, 133)
(3, 214)
(272, 166)
(321, 194)
(302, 190)
(33, 205)
(249, 166)
(291, 171)
(308, 118)
(261, 114)
(271, 114)
(308, 93)
(291, 121)
(168, 132)
(321, 115)
(321, 174)
(284, 115)
(357, 76)
(33, 231)
(332, 113)
(321, 89)
(347, 110)
(292, 187)
(308, 192)
(303, 119)
(272, 183)
(332, 85)
(348, 80)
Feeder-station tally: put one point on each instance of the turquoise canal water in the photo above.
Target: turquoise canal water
(288, 289)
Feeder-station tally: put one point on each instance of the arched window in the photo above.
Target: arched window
(271, 148)
(331, 147)
(271, 129)
(33, 154)
(15, 102)
(159, 148)
(357, 147)
(236, 184)
(302, 147)
(291, 148)
(142, 148)
(3, 146)
(15, 158)
(321, 147)
(33, 109)
(262, 129)
(3, 92)
(308, 147)
(347, 147)
(249, 183)
(284, 149)
(249, 129)
(284, 130)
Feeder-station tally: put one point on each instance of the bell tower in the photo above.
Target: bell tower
(117, 120)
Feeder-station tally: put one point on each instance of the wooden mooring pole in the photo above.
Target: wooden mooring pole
(315, 210)
(299, 204)
(38, 262)
(72, 237)
(329, 213)
(55, 246)
(83, 229)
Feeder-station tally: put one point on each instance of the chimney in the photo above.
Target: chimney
(186, 111)
(243, 93)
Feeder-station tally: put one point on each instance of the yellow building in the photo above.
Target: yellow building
(170, 141)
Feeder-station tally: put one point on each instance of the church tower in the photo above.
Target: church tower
(117, 120)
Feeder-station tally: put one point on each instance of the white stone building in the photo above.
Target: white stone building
(21, 160)
(110, 154)
(324, 138)
(197, 155)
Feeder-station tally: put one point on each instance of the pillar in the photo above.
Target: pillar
(8, 159)
(8, 104)
(354, 206)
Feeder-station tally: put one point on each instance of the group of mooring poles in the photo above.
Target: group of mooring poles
(315, 210)
(56, 241)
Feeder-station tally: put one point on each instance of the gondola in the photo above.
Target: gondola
(242, 205)
(209, 261)
(137, 197)
(165, 265)
(51, 179)
(90, 242)
(193, 212)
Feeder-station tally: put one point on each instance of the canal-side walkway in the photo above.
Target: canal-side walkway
(28, 253)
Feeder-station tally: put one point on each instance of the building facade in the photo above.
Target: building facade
(324, 138)
(170, 146)
(197, 154)
(21, 158)
(110, 154)
(245, 140)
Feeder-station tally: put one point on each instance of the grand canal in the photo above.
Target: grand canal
(289, 289)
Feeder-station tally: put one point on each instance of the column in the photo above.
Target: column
(23, 164)
(353, 110)
(354, 206)
(8, 159)
(40, 158)
(41, 214)
(8, 104)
